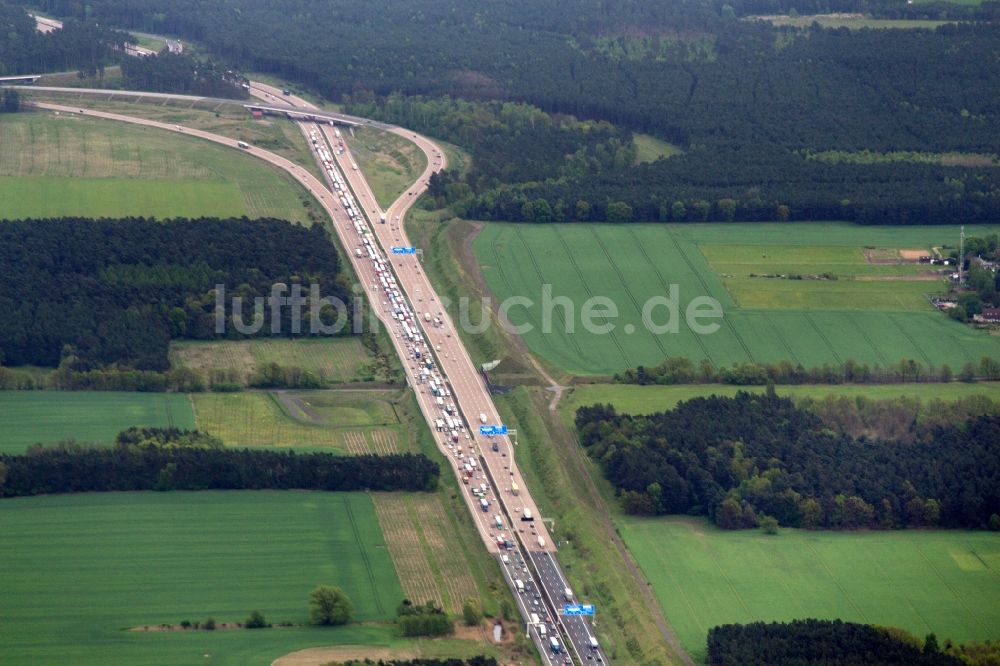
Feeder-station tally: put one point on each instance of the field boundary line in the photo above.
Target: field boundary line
(364, 553)
(621, 278)
(704, 286)
(579, 274)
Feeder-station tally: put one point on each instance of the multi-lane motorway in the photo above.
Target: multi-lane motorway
(531, 560)
(546, 587)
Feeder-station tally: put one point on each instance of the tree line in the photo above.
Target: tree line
(738, 460)
(682, 370)
(732, 93)
(982, 284)
(811, 641)
(182, 73)
(81, 45)
(178, 460)
(94, 293)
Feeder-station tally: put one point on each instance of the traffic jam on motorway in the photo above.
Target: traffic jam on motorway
(447, 420)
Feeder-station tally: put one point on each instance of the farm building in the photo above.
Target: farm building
(991, 315)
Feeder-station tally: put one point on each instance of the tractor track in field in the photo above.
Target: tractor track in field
(913, 342)
(541, 280)
(663, 281)
(822, 336)
(704, 286)
(364, 554)
(579, 273)
(768, 321)
(621, 278)
(871, 343)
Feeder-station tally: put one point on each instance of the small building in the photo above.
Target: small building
(257, 114)
(991, 315)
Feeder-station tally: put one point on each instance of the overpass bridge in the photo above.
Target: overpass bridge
(19, 80)
(293, 113)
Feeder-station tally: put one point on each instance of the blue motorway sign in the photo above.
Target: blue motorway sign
(404, 250)
(488, 430)
(578, 609)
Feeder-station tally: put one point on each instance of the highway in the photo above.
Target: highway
(547, 583)
(506, 493)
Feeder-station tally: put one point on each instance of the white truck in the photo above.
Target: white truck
(482, 418)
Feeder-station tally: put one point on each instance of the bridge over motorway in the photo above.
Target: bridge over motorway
(301, 114)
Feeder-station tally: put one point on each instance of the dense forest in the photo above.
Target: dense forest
(826, 642)
(95, 292)
(682, 370)
(740, 459)
(81, 45)
(751, 104)
(182, 73)
(178, 460)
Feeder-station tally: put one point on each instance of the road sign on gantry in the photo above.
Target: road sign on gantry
(578, 609)
(404, 250)
(490, 430)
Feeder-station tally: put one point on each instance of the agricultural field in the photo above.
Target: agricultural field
(29, 417)
(390, 163)
(632, 399)
(874, 314)
(60, 165)
(922, 581)
(350, 422)
(332, 360)
(79, 571)
(279, 136)
(427, 548)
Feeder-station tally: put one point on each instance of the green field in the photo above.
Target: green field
(649, 149)
(64, 165)
(390, 163)
(922, 581)
(830, 277)
(27, 417)
(77, 572)
(332, 360)
(352, 422)
(632, 399)
(633, 263)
